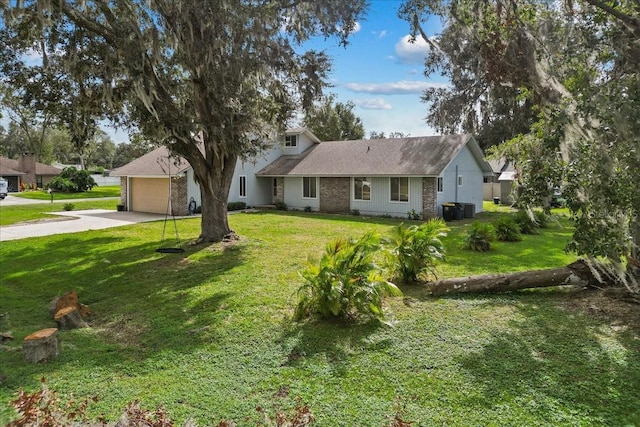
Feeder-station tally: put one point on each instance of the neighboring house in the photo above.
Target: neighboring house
(374, 177)
(500, 186)
(26, 171)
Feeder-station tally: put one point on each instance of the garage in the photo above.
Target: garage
(149, 195)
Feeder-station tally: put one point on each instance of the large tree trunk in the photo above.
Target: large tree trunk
(573, 273)
(214, 191)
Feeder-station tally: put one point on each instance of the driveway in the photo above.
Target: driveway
(13, 200)
(75, 221)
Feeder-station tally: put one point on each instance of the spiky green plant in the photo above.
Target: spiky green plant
(345, 282)
(479, 235)
(415, 250)
(507, 230)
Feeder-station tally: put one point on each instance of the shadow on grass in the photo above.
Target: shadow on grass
(142, 302)
(332, 342)
(548, 358)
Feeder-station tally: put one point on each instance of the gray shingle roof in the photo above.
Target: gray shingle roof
(11, 167)
(413, 156)
(154, 163)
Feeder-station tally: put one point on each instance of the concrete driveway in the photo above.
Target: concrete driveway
(75, 221)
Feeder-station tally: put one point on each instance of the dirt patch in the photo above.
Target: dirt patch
(44, 220)
(610, 305)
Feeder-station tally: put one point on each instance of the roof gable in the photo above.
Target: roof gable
(158, 162)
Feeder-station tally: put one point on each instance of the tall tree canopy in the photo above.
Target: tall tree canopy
(334, 121)
(213, 80)
(559, 83)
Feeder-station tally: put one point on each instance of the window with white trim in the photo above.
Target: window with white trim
(243, 186)
(440, 184)
(309, 187)
(399, 189)
(291, 141)
(361, 188)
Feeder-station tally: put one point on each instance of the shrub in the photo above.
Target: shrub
(507, 230)
(416, 249)
(542, 219)
(478, 236)
(355, 212)
(526, 222)
(68, 206)
(345, 282)
(412, 214)
(235, 206)
(281, 206)
(307, 208)
(72, 180)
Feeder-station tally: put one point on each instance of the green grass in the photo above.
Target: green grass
(96, 192)
(16, 214)
(208, 333)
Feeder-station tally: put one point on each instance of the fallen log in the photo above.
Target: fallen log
(572, 274)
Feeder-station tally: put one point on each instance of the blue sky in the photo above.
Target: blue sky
(382, 73)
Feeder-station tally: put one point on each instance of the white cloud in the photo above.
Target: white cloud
(411, 53)
(380, 34)
(373, 104)
(393, 88)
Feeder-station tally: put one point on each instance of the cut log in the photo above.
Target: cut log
(69, 318)
(575, 273)
(41, 346)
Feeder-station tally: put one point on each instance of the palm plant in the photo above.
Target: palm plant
(416, 249)
(345, 282)
(478, 236)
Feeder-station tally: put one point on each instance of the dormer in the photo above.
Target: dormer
(297, 140)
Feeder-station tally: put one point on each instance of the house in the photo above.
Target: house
(500, 186)
(26, 171)
(374, 177)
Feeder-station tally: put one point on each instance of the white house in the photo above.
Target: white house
(376, 177)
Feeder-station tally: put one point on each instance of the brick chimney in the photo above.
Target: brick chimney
(27, 164)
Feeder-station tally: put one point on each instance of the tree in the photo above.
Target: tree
(334, 121)
(211, 80)
(136, 147)
(380, 135)
(558, 82)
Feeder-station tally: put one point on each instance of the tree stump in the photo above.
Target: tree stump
(69, 318)
(41, 346)
(69, 299)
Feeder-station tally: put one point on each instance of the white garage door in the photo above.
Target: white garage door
(149, 195)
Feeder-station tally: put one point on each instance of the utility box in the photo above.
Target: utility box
(469, 210)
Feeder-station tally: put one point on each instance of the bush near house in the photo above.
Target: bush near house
(72, 180)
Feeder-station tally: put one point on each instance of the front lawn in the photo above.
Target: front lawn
(208, 333)
(96, 192)
(15, 214)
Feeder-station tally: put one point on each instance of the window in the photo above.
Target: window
(399, 189)
(243, 186)
(487, 179)
(361, 188)
(39, 181)
(275, 187)
(291, 141)
(440, 184)
(309, 187)
(459, 180)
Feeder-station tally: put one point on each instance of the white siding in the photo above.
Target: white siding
(381, 204)
(465, 165)
(293, 194)
(259, 190)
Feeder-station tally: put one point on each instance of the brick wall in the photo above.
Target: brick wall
(429, 198)
(27, 165)
(280, 189)
(180, 204)
(335, 195)
(123, 192)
